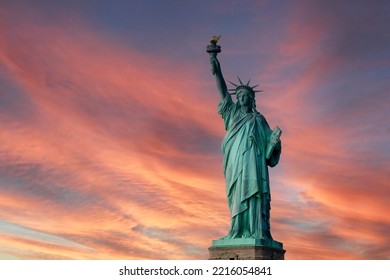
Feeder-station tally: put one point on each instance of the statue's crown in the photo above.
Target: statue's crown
(243, 86)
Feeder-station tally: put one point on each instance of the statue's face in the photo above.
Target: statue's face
(245, 97)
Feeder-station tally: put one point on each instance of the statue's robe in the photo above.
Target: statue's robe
(246, 171)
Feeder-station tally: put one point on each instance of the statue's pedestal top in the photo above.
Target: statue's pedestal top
(246, 249)
(247, 242)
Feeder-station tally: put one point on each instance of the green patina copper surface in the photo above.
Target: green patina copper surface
(234, 242)
(248, 138)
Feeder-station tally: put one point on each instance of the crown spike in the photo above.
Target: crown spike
(233, 84)
(246, 86)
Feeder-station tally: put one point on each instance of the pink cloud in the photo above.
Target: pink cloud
(91, 136)
(117, 148)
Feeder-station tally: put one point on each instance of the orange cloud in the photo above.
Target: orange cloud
(115, 146)
(90, 145)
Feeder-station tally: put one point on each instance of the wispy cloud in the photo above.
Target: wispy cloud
(103, 144)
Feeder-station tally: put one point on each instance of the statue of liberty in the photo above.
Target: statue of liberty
(249, 147)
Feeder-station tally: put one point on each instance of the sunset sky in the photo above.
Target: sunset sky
(110, 137)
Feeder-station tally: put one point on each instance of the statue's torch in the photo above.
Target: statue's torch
(213, 49)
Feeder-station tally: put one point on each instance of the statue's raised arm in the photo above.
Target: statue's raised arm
(213, 50)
